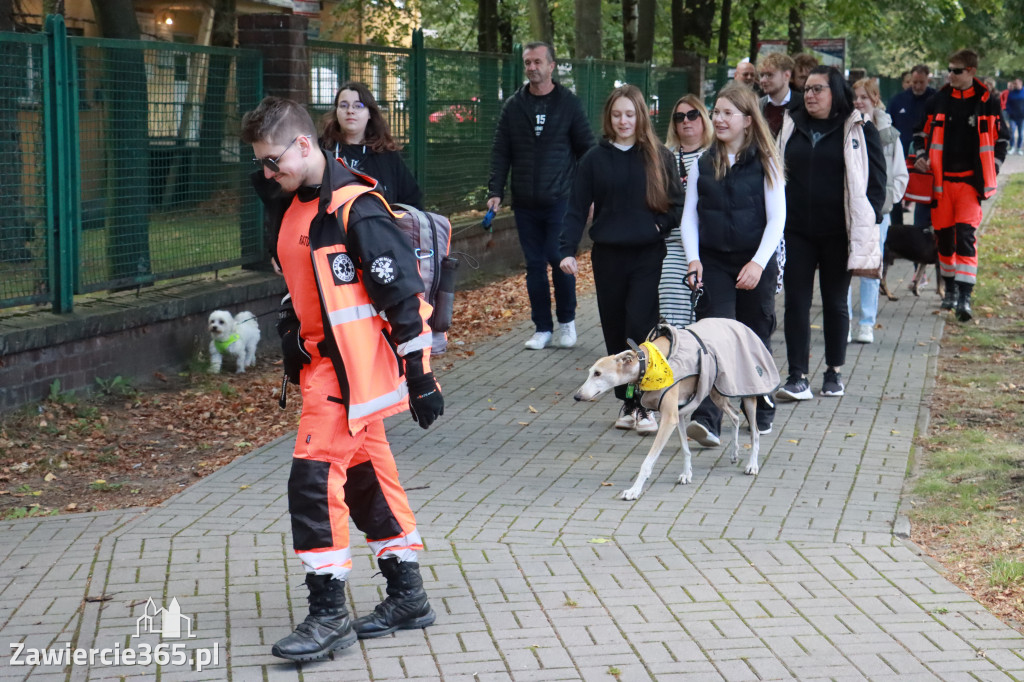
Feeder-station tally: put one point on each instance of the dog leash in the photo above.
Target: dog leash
(695, 294)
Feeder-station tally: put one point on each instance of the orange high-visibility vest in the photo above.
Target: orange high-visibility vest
(987, 126)
(370, 371)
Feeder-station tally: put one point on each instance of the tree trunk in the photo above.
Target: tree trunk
(629, 27)
(211, 127)
(796, 27)
(588, 29)
(723, 32)
(541, 25)
(506, 34)
(645, 30)
(487, 25)
(755, 29)
(691, 38)
(127, 137)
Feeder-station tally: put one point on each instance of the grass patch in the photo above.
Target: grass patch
(26, 513)
(967, 495)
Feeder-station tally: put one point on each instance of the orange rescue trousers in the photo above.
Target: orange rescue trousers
(336, 475)
(956, 217)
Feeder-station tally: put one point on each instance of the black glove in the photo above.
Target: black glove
(425, 400)
(291, 343)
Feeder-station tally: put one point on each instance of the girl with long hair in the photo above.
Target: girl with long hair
(631, 180)
(689, 134)
(732, 224)
(355, 131)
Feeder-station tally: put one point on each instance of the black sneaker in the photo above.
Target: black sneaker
(833, 384)
(702, 434)
(795, 388)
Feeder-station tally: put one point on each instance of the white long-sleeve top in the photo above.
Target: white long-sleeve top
(774, 208)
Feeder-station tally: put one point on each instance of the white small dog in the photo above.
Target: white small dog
(236, 336)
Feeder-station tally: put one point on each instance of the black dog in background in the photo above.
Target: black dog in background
(914, 243)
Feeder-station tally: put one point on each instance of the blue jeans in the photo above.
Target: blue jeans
(1016, 133)
(869, 287)
(540, 233)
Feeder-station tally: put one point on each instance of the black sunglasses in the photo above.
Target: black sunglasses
(272, 163)
(680, 116)
(957, 71)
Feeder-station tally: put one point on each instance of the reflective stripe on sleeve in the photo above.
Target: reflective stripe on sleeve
(421, 342)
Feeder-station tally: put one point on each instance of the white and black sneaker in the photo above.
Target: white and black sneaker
(627, 419)
(833, 384)
(795, 388)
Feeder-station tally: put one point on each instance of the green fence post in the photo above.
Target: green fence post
(62, 159)
(418, 109)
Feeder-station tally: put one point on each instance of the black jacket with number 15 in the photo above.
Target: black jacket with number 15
(542, 166)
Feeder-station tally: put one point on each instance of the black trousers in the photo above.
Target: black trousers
(827, 254)
(753, 307)
(626, 280)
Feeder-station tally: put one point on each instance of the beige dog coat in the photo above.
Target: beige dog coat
(722, 353)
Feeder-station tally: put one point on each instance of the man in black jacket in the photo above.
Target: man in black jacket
(542, 133)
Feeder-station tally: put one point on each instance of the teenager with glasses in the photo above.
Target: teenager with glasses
(835, 188)
(689, 134)
(962, 142)
(732, 223)
(355, 131)
(632, 183)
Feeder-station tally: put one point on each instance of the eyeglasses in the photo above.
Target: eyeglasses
(355, 106)
(956, 71)
(272, 163)
(680, 116)
(816, 89)
(719, 113)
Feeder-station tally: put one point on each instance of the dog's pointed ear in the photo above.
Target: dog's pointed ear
(626, 358)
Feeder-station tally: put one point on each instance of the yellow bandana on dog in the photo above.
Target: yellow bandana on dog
(658, 374)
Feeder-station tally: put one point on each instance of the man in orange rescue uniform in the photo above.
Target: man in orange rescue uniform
(355, 338)
(961, 142)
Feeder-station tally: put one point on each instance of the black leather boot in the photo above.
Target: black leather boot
(949, 300)
(326, 628)
(963, 303)
(406, 606)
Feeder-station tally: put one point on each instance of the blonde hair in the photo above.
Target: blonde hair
(758, 135)
(870, 86)
(672, 139)
(648, 142)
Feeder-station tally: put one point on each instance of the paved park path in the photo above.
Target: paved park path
(536, 570)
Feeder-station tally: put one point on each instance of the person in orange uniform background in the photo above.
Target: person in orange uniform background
(962, 142)
(355, 338)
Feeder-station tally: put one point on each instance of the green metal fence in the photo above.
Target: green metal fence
(443, 105)
(120, 162)
(25, 241)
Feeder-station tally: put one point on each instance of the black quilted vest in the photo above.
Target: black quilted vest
(731, 210)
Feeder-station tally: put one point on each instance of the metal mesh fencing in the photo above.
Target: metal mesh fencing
(465, 93)
(163, 187)
(24, 237)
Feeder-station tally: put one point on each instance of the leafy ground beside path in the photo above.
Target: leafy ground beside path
(966, 496)
(127, 447)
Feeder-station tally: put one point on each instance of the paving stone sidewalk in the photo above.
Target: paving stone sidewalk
(536, 570)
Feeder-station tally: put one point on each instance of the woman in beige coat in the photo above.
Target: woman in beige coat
(835, 188)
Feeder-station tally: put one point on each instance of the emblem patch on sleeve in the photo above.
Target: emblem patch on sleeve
(384, 269)
(342, 268)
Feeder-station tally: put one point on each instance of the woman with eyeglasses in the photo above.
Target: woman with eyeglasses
(835, 189)
(631, 181)
(689, 134)
(733, 220)
(355, 131)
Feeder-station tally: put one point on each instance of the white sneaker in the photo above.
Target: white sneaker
(626, 420)
(865, 334)
(538, 340)
(645, 422)
(566, 335)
